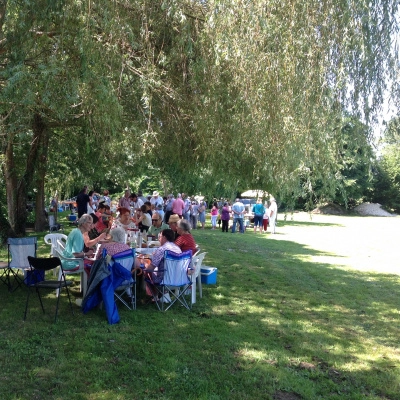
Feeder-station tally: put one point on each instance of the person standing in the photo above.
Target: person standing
(106, 197)
(258, 211)
(214, 215)
(273, 211)
(168, 207)
(186, 210)
(194, 212)
(178, 206)
(136, 202)
(90, 206)
(156, 200)
(141, 197)
(238, 213)
(225, 216)
(202, 214)
(265, 218)
(82, 201)
(125, 201)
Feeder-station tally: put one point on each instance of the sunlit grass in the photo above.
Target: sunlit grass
(278, 321)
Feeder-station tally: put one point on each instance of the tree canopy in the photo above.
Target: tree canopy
(212, 94)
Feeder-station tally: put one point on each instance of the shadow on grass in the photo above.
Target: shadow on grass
(274, 323)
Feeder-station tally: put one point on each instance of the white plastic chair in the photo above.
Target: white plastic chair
(196, 276)
(52, 238)
(78, 270)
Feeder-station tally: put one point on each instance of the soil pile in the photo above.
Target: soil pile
(373, 209)
(330, 209)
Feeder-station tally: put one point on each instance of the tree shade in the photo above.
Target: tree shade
(214, 94)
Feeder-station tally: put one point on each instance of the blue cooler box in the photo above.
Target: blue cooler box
(72, 217)
(32, 277)
(209, 275)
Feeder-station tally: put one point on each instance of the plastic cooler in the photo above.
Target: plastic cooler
(32, 277)
(209, 275)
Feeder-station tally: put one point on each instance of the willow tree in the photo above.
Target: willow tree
(270, 81)
(277, 79)
(234, 92)
(54, 75)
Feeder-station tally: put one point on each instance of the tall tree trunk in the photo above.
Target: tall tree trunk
(11, 182)
(40, 216)
(17, 190)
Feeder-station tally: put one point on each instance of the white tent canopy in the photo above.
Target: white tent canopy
(255, 193)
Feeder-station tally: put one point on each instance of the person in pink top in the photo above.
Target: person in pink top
(178, 206)
(214, 215)
(102, 224)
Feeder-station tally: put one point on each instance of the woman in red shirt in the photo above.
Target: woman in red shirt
(185, 240)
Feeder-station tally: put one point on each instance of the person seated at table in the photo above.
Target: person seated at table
(185, 240)
(102, 218)
(173, 224)
(143, 219)
(124, 220)
(116, 244)
(136, 203)
(93, 237)
(149, 210)
(154, 269)
(108, 217)
(74, 247)
(157, 225)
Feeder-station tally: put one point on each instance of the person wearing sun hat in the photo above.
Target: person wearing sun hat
(156, 200)
(173, 224)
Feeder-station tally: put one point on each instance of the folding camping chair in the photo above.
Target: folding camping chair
(127, 287)
(175, 281)
(18, 251)
(43, 265)
(106, 276)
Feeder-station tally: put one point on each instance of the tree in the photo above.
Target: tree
(52, 76)
(250, 94)
(387, 172)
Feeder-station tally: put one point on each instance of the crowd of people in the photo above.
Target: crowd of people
(231, 216)
(168, 219)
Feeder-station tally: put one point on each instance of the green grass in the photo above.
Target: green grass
(278, 324)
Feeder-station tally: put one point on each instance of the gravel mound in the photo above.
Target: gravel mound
(330, 209)
(373, 209)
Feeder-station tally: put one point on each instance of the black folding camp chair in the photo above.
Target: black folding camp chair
(37, 281)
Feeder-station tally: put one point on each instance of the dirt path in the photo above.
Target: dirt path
(363, 243)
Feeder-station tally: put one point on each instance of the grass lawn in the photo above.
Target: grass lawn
(309, 313)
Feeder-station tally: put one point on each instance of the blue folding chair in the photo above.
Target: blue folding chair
(175, 280)
(128, 287)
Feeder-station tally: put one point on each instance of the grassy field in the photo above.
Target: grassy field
(309, 313)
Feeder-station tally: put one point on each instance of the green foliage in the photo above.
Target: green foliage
(215, 96)
(387, 170)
